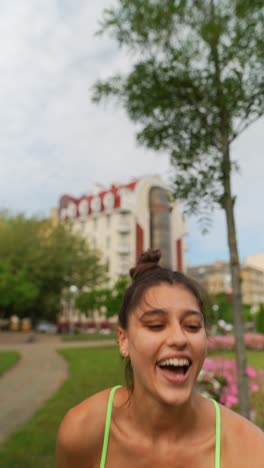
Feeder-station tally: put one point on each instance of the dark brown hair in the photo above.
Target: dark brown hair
(148, 273)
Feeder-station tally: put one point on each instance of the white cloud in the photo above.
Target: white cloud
(54, 140)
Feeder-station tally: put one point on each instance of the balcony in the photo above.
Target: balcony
(123, 248)
(123, 227)
(123, 271)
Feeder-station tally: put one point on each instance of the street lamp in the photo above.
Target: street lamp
(73, 291)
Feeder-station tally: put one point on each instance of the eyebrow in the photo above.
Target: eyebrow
(162, 313)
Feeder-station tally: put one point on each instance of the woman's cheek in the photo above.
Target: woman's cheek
(201, 345)
(146, 343)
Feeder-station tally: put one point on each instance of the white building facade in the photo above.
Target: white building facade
(255, 260)
(125, 220)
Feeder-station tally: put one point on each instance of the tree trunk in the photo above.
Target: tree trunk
(228, 205)
(241, 360)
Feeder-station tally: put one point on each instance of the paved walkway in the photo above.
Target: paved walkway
(38, 374)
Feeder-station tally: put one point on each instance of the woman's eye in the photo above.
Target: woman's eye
(156, 327)
(193, 327)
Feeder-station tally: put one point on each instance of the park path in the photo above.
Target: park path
(32, 381)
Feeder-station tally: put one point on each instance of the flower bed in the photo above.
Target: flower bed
(227, 343)
(254, 341)
(218, 380)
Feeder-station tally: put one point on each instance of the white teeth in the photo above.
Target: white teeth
(174, 362)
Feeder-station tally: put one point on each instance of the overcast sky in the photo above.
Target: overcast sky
(53, 140)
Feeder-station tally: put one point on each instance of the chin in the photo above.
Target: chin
(175, 397)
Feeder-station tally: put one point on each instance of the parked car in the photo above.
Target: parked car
(46, 327)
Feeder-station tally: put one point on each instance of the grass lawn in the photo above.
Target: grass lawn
(7, 360)
(91, 369)
(90, 337)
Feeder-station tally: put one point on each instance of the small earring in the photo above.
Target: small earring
(124, 353)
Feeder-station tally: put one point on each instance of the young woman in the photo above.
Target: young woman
(158, 420)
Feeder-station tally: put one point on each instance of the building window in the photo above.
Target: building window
(108, 242)
(108, 220)
(124, 264)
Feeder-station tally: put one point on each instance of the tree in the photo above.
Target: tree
(86, 302)
(44, 258)
(108, 298)
(93, 300)
(17, 292)
(116, 295)
(224, 311)
(196, 84)
(260, 319)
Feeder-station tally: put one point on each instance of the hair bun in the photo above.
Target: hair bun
(150, 256)
(146, 261)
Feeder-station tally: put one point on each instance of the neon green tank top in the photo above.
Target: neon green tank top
(108, 424)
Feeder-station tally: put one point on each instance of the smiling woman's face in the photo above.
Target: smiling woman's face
(166, 342)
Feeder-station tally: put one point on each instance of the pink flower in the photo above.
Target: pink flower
(254, 387)
(227, 369)
(251, 372)
(230, 401)
(252, 341)
(233, 389)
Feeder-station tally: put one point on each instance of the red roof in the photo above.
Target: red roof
(65, 200)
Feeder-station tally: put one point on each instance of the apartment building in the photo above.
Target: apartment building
(216, 278)
(252, 285)
(255, 260)
(124, 220)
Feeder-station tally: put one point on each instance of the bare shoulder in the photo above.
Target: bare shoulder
(241, 426)
(80, 435)
(243, 438)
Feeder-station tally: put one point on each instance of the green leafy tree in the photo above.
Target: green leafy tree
(109, 298)
(17, 292)
(46, 259)
(86, 302)
(116, 296)
(196, 84)
(260, 319)
(225, 309)
(247, 313)
(91, 301)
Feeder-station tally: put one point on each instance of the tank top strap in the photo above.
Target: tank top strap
(107, 425)
(217, 434)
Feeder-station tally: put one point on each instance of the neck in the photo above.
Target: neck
(158, 419)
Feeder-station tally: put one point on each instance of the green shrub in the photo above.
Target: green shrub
(260, 320)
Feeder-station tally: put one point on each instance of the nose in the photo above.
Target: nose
(176, 336)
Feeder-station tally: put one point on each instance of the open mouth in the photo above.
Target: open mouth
(175, 367)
